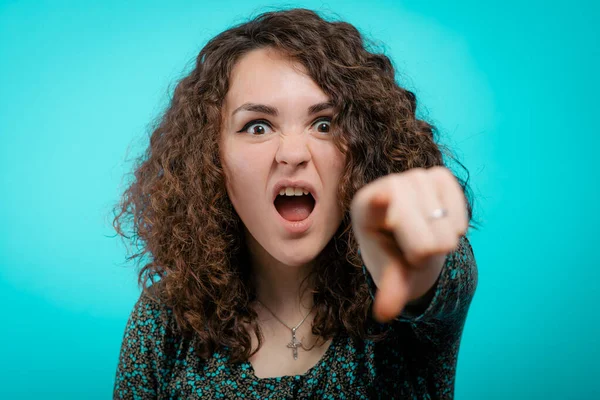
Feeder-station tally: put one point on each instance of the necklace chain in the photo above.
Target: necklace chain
(278, 319)
(295, 343)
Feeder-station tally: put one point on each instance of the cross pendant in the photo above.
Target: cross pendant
(294, 344)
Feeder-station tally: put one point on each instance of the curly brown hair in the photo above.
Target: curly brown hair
(177, 212)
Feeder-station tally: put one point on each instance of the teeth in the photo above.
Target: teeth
(290, 191)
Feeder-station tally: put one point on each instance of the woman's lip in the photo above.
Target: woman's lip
(296, 227)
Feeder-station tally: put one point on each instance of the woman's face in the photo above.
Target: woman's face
(275, 139)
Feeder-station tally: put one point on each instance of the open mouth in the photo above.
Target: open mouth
(295, 207)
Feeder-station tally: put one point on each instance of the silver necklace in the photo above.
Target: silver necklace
(295, 343)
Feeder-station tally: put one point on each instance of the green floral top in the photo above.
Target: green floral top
(416, 360)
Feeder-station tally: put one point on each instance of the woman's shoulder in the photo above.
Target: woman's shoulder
(151, 314)
(149, 348)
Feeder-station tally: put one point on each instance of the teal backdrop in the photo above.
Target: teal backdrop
(511, 85)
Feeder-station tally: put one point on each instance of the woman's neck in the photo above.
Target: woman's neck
(285, 290)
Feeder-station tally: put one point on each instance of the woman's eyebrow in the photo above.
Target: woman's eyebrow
(259, 108)
(265, 109)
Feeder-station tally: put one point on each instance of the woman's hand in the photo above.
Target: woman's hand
(402, 242)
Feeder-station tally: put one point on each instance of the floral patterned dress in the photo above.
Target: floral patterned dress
(416, 360)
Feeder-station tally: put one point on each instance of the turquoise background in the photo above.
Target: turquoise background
(512, 86)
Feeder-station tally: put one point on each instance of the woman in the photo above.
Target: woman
(288, 195)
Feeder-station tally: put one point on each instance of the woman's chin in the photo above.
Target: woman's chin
(295, 257)
(296, 262)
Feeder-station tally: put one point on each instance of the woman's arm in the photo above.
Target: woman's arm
(145, 349)
(446, 304)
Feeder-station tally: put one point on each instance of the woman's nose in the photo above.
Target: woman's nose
(293, 149)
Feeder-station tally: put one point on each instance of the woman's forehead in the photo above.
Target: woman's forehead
(266, 75)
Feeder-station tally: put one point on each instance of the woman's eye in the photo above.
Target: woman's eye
(256, 128)
(323, 125)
